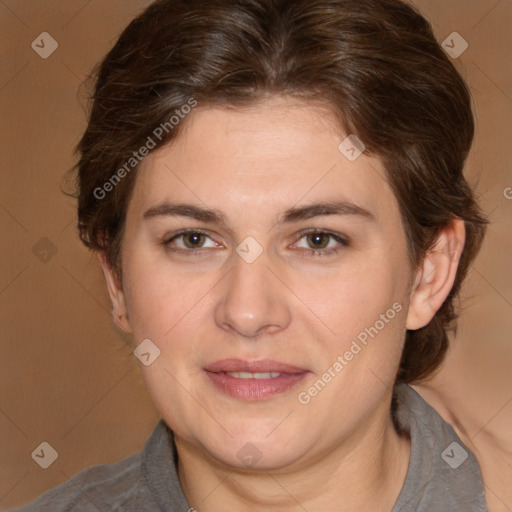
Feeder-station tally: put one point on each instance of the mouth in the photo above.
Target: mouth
(253, 380)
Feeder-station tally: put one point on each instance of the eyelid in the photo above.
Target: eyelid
(342, 239)
(166, 241)
(184, 231)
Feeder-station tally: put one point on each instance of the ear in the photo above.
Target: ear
(116, 294)
(436, 275)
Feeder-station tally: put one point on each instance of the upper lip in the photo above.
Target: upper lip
(260, 366)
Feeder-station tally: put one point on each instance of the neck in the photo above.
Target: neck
(363, 473)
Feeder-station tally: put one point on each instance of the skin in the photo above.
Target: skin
(340, 451)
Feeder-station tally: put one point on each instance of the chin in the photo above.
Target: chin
(254, 457)
(255, 450)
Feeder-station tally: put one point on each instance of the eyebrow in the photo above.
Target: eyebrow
(324, 208)
(185, 210)
(291, 215)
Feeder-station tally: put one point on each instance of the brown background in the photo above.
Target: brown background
(67, 376)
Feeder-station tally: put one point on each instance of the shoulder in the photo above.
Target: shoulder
(98, 488)
(443, 474)
(145, 482)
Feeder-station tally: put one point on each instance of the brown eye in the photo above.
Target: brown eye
(190, 240)
(318, 240)
(193, 240)
(315, 242)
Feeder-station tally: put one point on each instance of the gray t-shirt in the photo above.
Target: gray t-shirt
(443, 475)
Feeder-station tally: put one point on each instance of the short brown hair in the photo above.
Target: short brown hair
(377, 65)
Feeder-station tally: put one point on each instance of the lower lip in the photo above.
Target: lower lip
(255, 389)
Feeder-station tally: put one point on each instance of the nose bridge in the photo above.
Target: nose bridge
(248, 277)
(252, 299)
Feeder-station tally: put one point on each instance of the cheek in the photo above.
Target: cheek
(353, 297)
(158, 300)
(362, 312)
(167, 309)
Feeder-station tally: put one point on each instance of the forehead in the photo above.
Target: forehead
(266, 157)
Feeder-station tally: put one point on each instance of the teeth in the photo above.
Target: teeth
(249, 375)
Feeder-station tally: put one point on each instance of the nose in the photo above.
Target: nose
(253, 300)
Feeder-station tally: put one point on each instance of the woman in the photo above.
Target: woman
(275, 192)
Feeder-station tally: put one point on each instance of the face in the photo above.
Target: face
(271, 273)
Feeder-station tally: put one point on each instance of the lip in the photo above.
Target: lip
(254, 389)
(261, 365)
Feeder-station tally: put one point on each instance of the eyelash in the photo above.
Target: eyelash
(315, 253)
(319, 253)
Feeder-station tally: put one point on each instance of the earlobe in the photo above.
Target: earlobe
(116, 294)
(436, 275)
